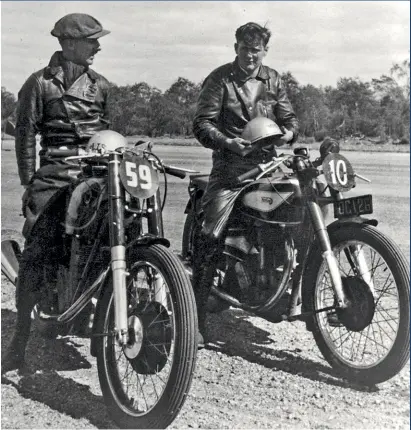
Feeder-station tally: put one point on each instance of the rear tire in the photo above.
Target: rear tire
(348, 350)
(162, 359)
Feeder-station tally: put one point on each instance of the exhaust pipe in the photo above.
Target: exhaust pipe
(10, 254)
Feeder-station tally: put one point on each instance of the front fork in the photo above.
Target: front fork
(360, 266)
(118, 248)
(321, 232)
(155, 227)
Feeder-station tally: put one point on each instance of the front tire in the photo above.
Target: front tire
(145, 384)
(371, 344)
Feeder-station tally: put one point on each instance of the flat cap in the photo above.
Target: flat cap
(78, 26)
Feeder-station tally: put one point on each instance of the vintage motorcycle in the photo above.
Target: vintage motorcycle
(115, 266)
(348, 281)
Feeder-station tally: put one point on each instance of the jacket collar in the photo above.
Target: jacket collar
(54, 68)
(239, 74)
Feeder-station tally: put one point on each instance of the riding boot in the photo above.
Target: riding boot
(25, 300)
(15, 355)
(205, 261)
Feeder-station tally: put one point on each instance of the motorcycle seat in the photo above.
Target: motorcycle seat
(199, 180)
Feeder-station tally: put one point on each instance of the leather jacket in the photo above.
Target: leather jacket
(225, 107)
(62, 117)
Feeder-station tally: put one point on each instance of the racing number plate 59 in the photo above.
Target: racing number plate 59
(138, 176)
(353, 206)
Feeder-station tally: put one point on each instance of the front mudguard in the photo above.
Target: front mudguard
(344, 222)
(144, 240)
(147, 240)
(336, 225)
(331, 228)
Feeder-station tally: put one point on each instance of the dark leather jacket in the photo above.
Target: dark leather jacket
(61, 117)
(224, 108)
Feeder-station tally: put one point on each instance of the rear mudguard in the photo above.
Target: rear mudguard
(144, 240)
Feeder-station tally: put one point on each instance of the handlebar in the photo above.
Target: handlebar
(62, 152)
(264, 168)
(250, 174)
(80, 153)
(174, 171)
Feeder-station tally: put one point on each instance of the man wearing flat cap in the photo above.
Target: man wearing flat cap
(65, 103)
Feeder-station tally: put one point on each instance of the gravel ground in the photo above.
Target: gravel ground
(254, 375)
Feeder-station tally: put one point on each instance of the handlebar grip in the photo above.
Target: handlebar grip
(174, 172)
(247, 175)
(59, 152)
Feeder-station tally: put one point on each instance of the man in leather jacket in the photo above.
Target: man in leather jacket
(65, 103)
(230, 97)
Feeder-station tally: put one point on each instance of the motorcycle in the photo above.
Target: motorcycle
(118, 280)
(280, 261)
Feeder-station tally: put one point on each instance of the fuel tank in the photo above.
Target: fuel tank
(275, 199)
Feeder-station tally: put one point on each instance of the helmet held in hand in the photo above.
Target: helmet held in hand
(261, 128)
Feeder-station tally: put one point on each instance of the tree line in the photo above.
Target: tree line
(377, 109)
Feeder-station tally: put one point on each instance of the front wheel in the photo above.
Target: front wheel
(369, 341)
(145, 382)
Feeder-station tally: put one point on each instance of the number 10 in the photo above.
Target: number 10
(338, 172)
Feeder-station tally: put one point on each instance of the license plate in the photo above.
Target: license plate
(353, 206)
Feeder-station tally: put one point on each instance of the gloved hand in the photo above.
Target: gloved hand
(288, 135)
(239, 146)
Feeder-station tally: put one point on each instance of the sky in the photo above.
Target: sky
(159, 41)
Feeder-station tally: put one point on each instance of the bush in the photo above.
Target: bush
(320, 135)
(403, 141)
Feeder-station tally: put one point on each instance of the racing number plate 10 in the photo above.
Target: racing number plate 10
(138, 176)
(353, 206)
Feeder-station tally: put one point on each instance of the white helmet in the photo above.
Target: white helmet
(106, 140)
(260, 128)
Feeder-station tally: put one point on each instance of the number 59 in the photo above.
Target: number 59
(138, 175)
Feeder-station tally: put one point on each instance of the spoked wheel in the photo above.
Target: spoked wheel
(368, 341)
(145, 382)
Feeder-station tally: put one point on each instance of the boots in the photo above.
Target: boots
(205, 261)
(15, 355)
(25, 301)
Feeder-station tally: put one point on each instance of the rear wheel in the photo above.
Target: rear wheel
(369, 341)
(145, 383)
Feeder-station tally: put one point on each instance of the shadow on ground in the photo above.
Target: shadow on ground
(41, 382)
(231, 333)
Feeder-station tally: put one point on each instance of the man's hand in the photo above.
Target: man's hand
(288, 135)
(239, 146)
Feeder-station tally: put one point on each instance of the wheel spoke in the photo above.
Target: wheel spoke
(383, 330)
(144, 377)
(365, 342)
(372, 344)
(381, 310)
